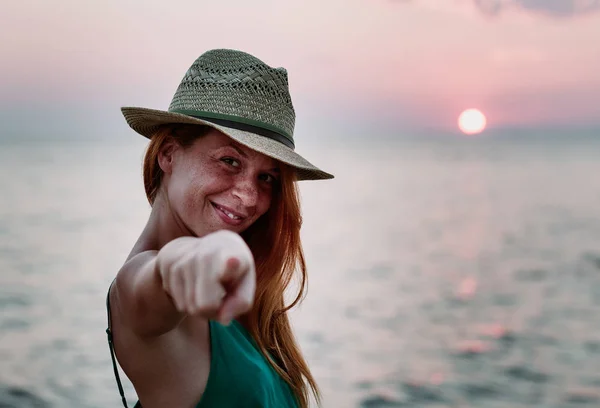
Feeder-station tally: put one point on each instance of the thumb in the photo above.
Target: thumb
(233, 306)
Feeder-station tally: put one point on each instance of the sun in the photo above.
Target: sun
(472, 121)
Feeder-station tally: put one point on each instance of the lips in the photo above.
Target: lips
(228, 215)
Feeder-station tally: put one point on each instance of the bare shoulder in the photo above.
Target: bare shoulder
(122, 291)
(138, 300)
(131, 270)
(167, 363)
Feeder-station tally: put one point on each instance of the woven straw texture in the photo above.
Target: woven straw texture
(237, 86)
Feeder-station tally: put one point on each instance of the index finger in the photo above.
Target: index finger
(232, 271)
(239, 298)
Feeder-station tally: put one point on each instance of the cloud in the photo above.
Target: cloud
(552, 8)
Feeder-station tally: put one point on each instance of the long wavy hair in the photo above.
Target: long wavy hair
(274, 240)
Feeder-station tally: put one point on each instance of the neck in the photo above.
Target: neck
(162, 227)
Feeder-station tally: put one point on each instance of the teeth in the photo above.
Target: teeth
(230, 215)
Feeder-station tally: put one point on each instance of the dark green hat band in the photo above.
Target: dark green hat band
(240, 124)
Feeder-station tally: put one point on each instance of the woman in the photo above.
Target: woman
(196, 314)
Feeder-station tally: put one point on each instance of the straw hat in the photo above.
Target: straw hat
(241, 96)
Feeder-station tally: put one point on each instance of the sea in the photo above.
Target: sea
(444, 271)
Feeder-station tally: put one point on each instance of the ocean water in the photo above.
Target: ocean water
(443, 272)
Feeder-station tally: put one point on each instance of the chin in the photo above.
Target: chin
(215, 228)
(237, 230)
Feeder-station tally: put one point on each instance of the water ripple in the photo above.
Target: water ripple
(14, 397)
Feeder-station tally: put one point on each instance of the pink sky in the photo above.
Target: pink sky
(412, 63)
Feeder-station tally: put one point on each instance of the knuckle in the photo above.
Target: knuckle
(203, 259)
(178, 268)
(230, 237)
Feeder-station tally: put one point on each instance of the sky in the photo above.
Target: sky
(401, 65)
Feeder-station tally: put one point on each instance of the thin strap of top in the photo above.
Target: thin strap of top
(111, 347)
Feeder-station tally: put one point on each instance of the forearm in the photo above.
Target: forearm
(156, 314)
(147, 308)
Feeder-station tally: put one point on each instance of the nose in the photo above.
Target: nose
(246, 190)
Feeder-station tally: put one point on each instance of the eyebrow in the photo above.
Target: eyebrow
(240, 151)
(244, 155)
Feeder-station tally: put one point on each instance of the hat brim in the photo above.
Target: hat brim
(146, 121)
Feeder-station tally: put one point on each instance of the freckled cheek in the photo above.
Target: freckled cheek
(264, 201)
(194, 200)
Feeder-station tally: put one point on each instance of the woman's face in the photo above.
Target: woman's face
(218, 184)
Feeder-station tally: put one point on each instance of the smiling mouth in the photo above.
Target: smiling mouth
(229, 214)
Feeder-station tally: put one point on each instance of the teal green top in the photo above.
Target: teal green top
(240, 376)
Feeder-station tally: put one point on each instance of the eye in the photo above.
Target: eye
(268, 178)
(231, 161)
